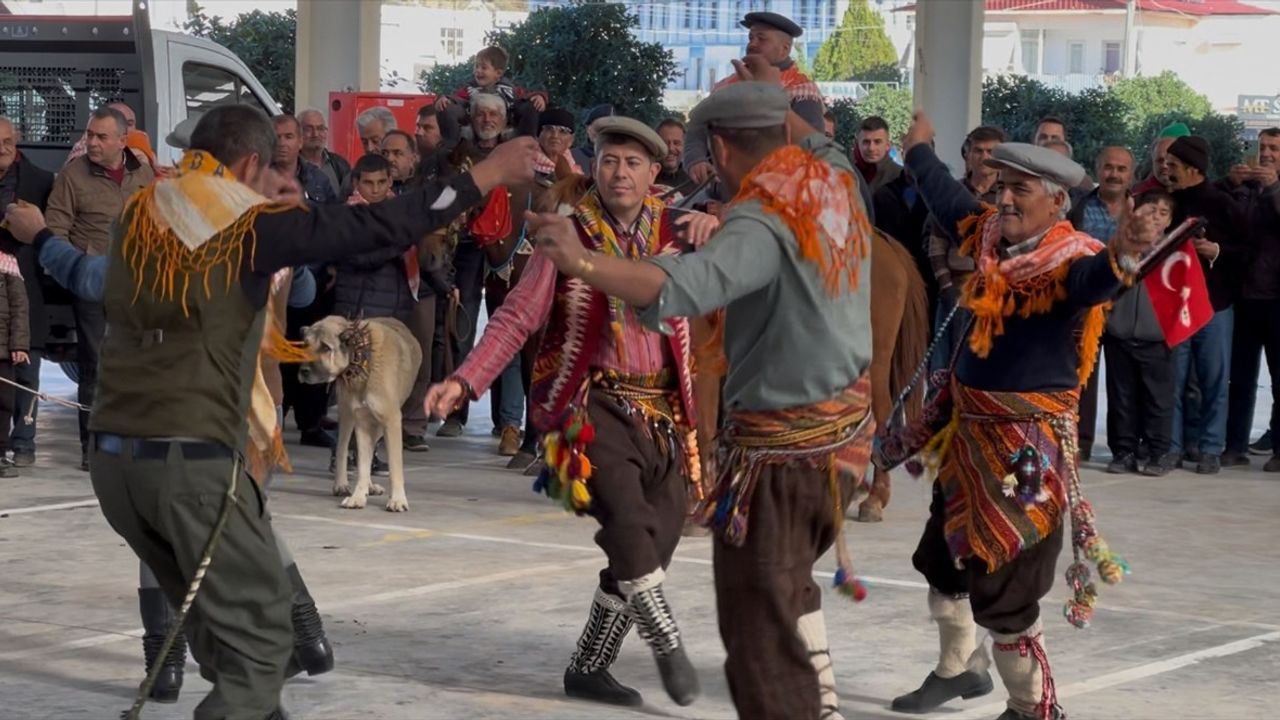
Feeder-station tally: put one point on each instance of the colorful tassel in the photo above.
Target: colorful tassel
(849, 585)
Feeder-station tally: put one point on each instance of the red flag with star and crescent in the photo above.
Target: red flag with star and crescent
(1179, 295)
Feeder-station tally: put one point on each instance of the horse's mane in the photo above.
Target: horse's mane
(567, 190)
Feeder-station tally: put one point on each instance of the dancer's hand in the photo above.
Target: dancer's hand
(921, 131)
(697, 228)
(701, 171)
(444, 397)
(556, 238)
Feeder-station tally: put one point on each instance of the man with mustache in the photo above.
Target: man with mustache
(1222, 253)
(1159, 179)
(614, 401)
(791, 266)
(1134, 340)
(1006, 463)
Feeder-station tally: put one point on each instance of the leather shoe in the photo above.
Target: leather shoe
(937, 690)
(600, 686)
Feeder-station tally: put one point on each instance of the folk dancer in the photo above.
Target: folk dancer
(614, 401)
(791, 264)
(1007, 463)
(185, 289)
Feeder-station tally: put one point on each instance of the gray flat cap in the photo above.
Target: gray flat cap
(1038, 161)
(181, 136)
(743, 105)
(634, 129)
(773, 20)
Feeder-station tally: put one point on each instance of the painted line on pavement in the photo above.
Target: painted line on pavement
(437, 587)
(1137, 672)
(46, 508)
(105, 637)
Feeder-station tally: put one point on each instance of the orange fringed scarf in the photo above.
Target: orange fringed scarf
(183, 227)
(265, 449)
(821, 207)
(1028, 284)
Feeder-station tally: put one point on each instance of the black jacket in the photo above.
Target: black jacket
(373, 284)
(1261, 207)
(901, 213)
(1227, 227)
(34, 186)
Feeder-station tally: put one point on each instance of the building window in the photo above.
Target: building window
(688, 16)
(831, 15)
(451, 41)
(1031, 51)
(1075, 58)
(1111, 57)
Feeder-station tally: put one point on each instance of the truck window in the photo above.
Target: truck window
(207, 86)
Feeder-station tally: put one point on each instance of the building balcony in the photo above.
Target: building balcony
(1067, 82)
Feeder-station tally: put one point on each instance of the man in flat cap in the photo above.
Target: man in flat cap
(791, 265)
(613, 399)
(770, 36)
(1007, 462)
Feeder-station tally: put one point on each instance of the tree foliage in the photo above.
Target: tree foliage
(444, 79)
(892, 104)
(583, 55)
(1148, 97)
(858, 50)
(1130, 114)
(265, 41)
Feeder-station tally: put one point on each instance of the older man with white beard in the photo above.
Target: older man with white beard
(488, 114)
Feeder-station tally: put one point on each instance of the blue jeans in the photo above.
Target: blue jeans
(1210, 349)
(24, 433)
(506, 397)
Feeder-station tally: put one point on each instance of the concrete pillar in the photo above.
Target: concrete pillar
(337, 49)
(948, 73)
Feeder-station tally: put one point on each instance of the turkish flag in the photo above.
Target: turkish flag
(1179, 296)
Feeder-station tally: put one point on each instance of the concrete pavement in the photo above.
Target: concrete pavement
(469, 605)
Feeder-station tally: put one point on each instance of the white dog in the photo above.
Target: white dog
(374, 363)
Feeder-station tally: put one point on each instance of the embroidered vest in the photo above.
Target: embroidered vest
(573, 336)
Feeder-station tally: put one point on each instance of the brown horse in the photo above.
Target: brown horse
(900, 321)
(899, 339)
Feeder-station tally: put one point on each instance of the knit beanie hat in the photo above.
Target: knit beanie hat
(1175, 130)
(1192, 150)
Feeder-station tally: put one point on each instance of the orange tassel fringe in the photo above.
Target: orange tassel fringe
(804, 204)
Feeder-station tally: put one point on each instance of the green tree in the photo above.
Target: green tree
(1120, 115)
(583, 55)
(1148, 97)
(1016, 104)
(265, 41)
(892, 104)
(858, 50)
(444, 79)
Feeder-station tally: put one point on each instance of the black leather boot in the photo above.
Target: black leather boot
(937, 690)
(157, 615)
(311, 649)
(587, 676)
(658, 628)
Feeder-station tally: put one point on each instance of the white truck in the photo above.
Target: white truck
(55, 70)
